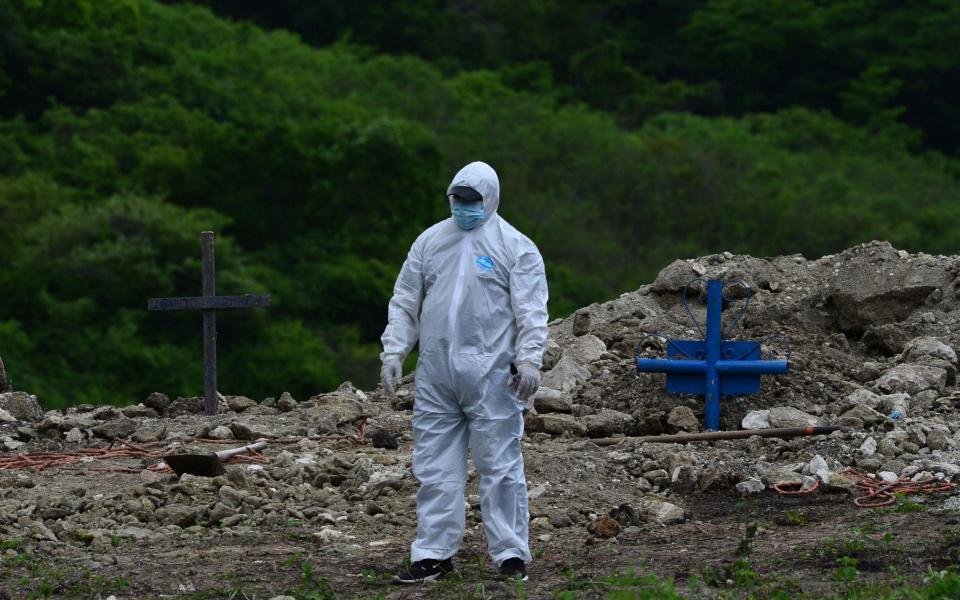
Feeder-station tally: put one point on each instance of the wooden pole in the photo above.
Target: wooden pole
(709, 436)
(4, 384)
(209, 327)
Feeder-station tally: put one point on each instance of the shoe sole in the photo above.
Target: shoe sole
(421, 580)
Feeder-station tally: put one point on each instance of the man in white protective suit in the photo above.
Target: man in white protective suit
(473, 291)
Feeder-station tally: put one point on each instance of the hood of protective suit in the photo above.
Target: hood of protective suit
(481, 177)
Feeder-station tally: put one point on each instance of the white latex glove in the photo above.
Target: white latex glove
(526, 381)
(391, 372)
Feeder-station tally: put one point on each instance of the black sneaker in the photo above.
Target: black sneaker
(425, 570)
(514, 568)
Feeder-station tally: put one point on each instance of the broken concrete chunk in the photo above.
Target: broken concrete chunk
(566, 376)
(682, 418)
(756, 419)
(21, 405)
(912, 378)
(549, 400)
(921, 348)
(786, 416)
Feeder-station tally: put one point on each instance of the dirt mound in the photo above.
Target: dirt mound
(870, 333)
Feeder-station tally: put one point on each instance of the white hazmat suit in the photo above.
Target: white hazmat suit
(477, 302)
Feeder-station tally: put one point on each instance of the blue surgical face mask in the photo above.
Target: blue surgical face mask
(467, 216)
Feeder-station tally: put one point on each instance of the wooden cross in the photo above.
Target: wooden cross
(209, 302)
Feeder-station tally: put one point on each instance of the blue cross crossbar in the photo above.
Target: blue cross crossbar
(713, 367)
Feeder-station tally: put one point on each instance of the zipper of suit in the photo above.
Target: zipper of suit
(458, 286)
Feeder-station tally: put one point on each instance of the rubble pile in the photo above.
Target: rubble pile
(872, 333)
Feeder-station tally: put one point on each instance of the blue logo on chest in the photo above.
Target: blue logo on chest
(485, 262)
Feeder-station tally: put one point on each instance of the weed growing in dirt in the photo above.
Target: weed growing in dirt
(312, 587)
(792, 518)
(629, 586)
(904, 504)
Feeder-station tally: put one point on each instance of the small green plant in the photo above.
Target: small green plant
(746, 543)
(904, 504)
(793, 518)
(847, 570)
(312, 587)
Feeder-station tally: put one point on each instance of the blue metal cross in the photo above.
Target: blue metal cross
(713, 367)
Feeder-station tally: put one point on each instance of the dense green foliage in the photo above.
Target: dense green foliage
(128, 126)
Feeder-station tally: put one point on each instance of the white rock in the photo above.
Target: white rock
(913, 379)
(952, 503)
(750, 486)
(566, 376)
(6, 417)
(949, 469)
(824, 475)
(756, 419)
(786, 416)
(888, 476)
(586, 349)
(865, 398)
(665, 512)
(868, 447)
(808, 483)
(817, 464)
(221, 432)
(74, 435)
(921, 347)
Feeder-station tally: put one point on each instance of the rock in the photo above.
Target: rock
(177, 514)
(604, 527)
(952, 503)
(674, 277)
(384, 439)
(864, 414)
(888, 477)
(786, 416)
(220, 512)
(239, 404)
(145, 436)
(889, 339)
(887, 288)
(549, 400)
(756, 419)
(912, 379)
(340, 407)
(250, 430)
(607, 422)
(182, 406)
(134, 533)
(920, 348)
(779, 474)
(868, 447)
(664, 513)
(557, 424)
(682, 418)
(938, 438)
(838, 482)
(750, 487)
(552, 354)
(286, 403)
(22, 406)
(119, 428)
(139, 411)
(626, 516)
(683, 480)
(158, 402)
(581, 322)
(220, 432)
(586, 349)
(566, 376)
(6, 417)
(74, 436)
(817, 463)
(714, 480)
(862, 397)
